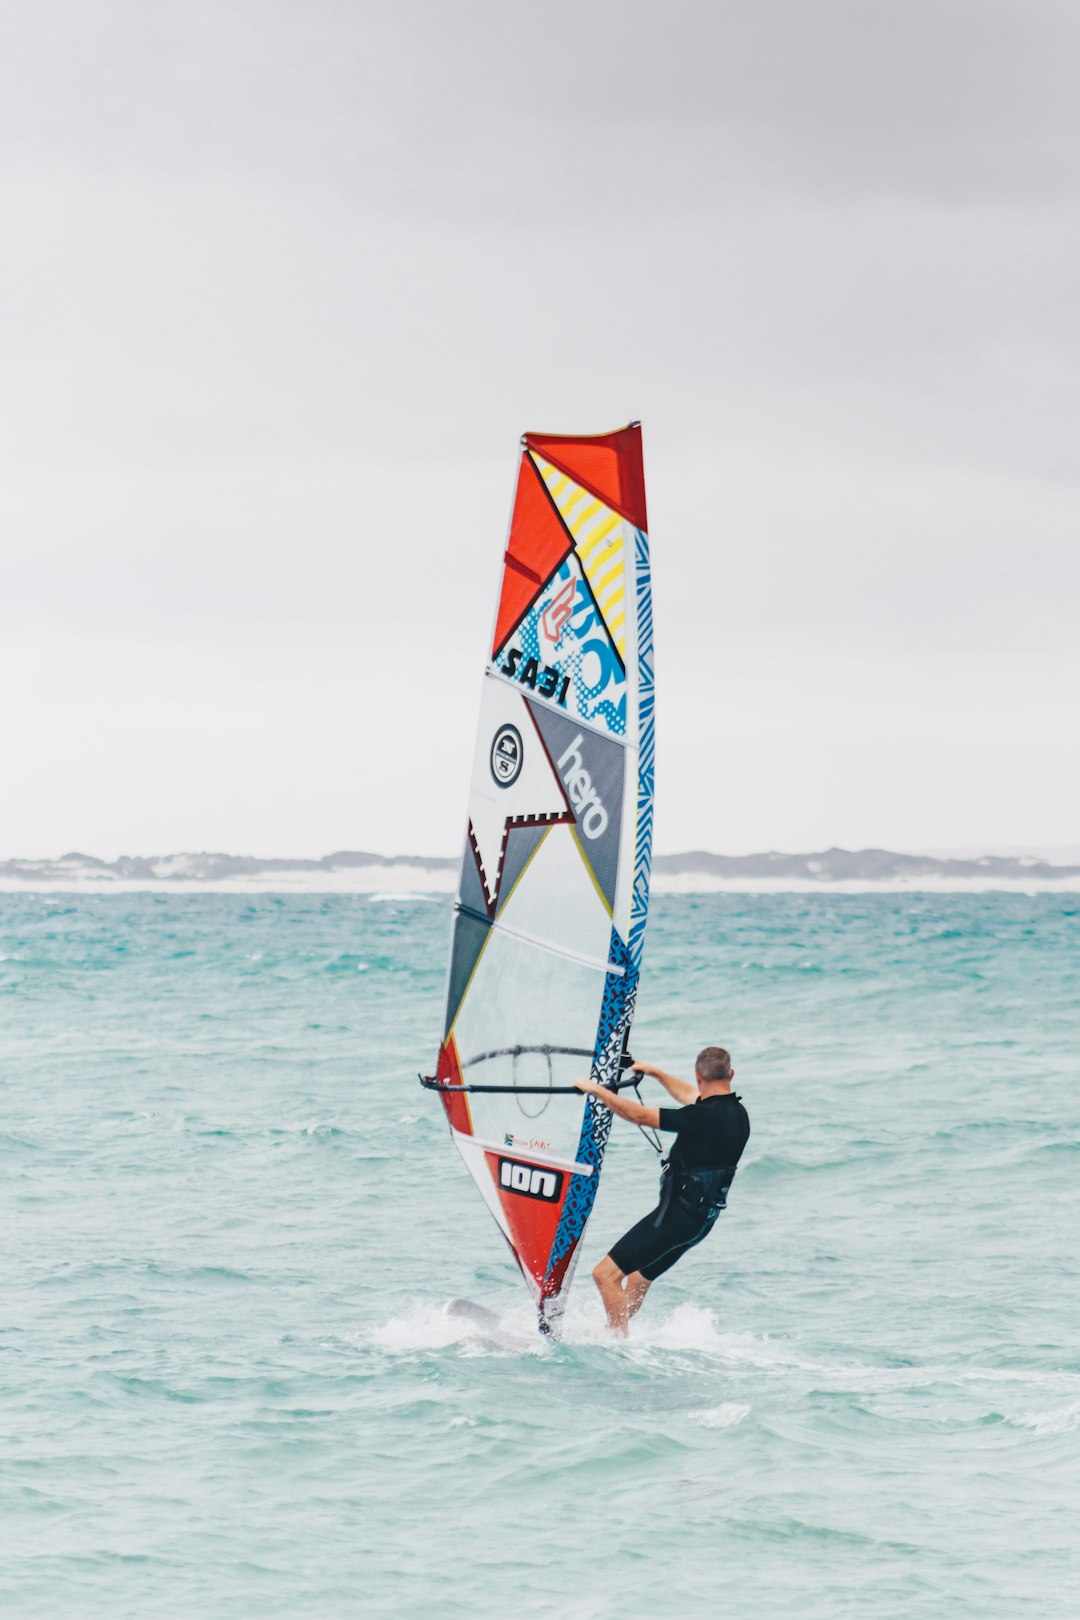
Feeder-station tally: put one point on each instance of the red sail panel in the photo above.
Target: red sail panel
(608, 465)
(533, 1219)
(537, 545)
(448, 1073)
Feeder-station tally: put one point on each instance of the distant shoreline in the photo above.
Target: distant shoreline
(695, 872)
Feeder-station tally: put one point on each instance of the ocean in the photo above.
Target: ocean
(232, 1221)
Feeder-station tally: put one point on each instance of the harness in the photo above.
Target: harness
(701, 1193)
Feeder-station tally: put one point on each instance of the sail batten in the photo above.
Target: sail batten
(552, 903)
(598, 964)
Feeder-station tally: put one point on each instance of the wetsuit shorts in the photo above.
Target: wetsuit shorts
(653, 1249)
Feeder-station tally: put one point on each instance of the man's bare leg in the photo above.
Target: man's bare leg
(609, 1280)
(635, 1288)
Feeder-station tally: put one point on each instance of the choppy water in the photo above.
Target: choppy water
(231, 1220)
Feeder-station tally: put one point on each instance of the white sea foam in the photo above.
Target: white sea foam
(724, 1416)
(412, 883)
(434, 1327)
(688, 1327)
(705, 883)
(1059, 1420)
(434, 885)
(380, 882)
(421, 890)
(424, 1327)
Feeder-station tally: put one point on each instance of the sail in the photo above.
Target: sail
(551, 907)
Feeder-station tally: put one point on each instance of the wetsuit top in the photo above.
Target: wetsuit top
(710, 1133)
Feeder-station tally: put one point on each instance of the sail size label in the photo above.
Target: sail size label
(545, 679)
(530, 1180)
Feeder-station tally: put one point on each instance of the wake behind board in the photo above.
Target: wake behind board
(549, 920)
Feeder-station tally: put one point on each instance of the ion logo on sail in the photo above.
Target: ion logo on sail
(530, 1181)
(506, 756)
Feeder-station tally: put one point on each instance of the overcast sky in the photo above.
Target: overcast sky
(282, 284)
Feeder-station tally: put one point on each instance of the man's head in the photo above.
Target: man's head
(713, 1067)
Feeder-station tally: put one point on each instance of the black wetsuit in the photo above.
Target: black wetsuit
(710, 1135)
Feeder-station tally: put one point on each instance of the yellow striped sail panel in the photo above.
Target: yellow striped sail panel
(599, 540)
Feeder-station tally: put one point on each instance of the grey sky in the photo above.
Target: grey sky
(282, 284)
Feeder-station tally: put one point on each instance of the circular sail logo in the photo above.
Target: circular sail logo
(506, 756)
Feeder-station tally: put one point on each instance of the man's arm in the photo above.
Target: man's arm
(681, 1090)
(635, 1112)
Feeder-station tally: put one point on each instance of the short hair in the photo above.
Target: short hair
(713, 1064)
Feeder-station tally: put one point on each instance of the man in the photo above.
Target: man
(711, 1130)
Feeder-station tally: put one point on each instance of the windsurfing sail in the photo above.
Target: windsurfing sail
(551, 907)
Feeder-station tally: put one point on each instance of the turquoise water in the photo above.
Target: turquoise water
(231, 1220)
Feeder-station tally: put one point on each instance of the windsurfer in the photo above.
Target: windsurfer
(711, 1129)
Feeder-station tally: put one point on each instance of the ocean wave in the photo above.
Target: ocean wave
(419, 884)
(421, 894)
(724, 1416)
(1058, 1420)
